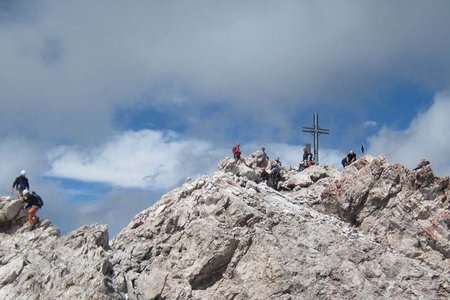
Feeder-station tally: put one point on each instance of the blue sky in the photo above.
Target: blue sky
(109, 105)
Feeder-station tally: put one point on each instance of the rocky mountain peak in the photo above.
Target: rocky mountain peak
(375, 230)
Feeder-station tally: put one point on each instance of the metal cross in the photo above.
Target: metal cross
(316, 130)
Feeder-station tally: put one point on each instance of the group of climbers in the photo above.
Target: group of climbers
(308, 161)
(32, 201)
(270, 170)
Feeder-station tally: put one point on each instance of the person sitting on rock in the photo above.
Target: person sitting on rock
(33, 203)
(20, 184)
(307, 158)
(423, 162)
(278, 161)
(351, 157)
(264, 174)
(275, 171)
(262, 160)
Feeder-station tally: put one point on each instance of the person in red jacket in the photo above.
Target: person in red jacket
(237, 153)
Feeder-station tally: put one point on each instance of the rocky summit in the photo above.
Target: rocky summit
(376, 230)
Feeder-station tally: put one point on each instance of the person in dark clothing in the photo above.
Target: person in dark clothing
(264, 174)
(307, 158)
(20, 183)
(351, 157)
(263, 150)
(275, 172)
(278, 161)
(305, 154)
(33, 203)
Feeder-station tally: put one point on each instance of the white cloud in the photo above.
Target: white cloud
(370, 123)
(16, 154)
(427, 137)
(136, 159)
(79, 59)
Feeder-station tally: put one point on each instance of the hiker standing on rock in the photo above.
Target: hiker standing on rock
(351, 157)
(263, 150)
(237, 154)
(34, 202)
(20, 184)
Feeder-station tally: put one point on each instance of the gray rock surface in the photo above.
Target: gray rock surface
(40, 264)
(374, 231)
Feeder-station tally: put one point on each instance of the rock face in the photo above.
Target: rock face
(40, 264)
(374, 231)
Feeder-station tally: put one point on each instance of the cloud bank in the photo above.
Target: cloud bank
(427, 137)
(78, 59)
(145, 159)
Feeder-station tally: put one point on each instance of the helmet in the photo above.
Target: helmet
(23, 172)
(25, 191)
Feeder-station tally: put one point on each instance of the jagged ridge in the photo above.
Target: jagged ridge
(375, 231)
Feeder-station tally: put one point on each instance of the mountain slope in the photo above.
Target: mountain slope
(374, 231)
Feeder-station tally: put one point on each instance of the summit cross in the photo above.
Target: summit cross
(316, 131)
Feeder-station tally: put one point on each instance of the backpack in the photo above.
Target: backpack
(234, 150)
(39, 199)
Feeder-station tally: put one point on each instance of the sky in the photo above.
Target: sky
(110, 104)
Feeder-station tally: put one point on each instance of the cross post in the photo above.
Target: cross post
(316, 131)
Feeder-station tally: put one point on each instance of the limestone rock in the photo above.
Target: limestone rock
(40, 264)
(12, 214)
(374, 231)
(252, 242)
(405, 210)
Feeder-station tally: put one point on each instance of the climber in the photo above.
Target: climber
(237, 153)
(351, 157)
(34, 202)
(275, 172)
(264, 174)
(264, 153)
(307, 158)
(278, 161)
(20, 183)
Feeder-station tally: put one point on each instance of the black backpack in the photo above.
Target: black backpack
(39, 199)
